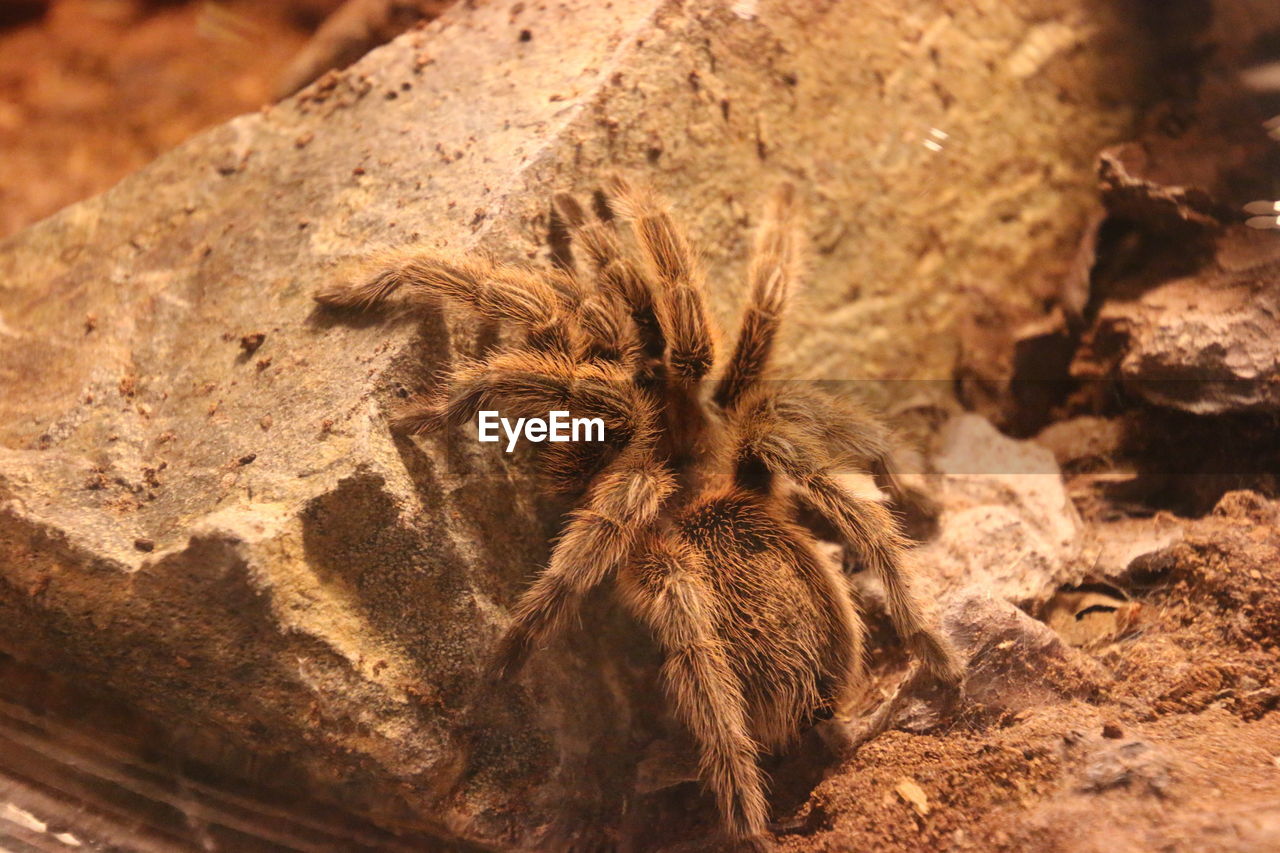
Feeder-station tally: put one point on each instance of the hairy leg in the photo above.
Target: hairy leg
(615, 273)
(773, 270)
(871, 530)
(568, 468)
(681, 305)
(620, 505)
(843, 664)
(848, 436)
(664, 590)
(558, 314)
(781, 448)
(606, 333)
(542, 302)
(530, 383)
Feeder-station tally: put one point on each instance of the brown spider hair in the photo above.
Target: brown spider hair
(693, 502)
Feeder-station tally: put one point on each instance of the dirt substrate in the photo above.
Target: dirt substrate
(1179, 751)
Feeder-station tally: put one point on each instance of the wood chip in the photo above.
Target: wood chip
(913, 794)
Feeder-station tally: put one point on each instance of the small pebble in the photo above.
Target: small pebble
(250, 343)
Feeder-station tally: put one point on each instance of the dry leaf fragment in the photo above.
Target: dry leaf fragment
(1085, 617)
(913, 794)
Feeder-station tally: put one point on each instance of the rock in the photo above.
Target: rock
(1084, 442)
(912, 794)
(1117, 551)
(355, 28)
(1134, 765)
(1132, 186)
(1015, 663)
(1014, 365)
(1248, 506)
(1187, 306)
(1007, 522)
(315, 621)
(1204, 343)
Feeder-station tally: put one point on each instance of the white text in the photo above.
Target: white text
(558, 426)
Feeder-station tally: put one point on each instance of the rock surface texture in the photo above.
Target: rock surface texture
(203, 515)
(1008, 523)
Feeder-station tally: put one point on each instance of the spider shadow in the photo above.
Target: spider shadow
(583, 707)
(596, 697)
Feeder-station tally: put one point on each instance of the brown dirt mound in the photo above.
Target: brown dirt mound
(1181, 751)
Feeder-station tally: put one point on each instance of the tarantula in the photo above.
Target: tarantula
(693, 502)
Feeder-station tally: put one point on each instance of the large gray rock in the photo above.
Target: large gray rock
(218, 531)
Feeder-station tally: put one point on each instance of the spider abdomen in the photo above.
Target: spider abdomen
(783, 619)
(733, 524)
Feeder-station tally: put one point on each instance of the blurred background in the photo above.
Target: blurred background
(91, 90)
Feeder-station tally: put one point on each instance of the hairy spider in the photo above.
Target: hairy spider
(694, 500)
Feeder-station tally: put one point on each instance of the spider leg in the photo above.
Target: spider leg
(871, 530)
(540, 301)
(774, 446)
(607, 335)
(849, 435)
(773, 269)
(664, 589)
(858, 440)
(616, 275)
(623, 500)
(681, 305)
(567, 468)
(532, 384)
